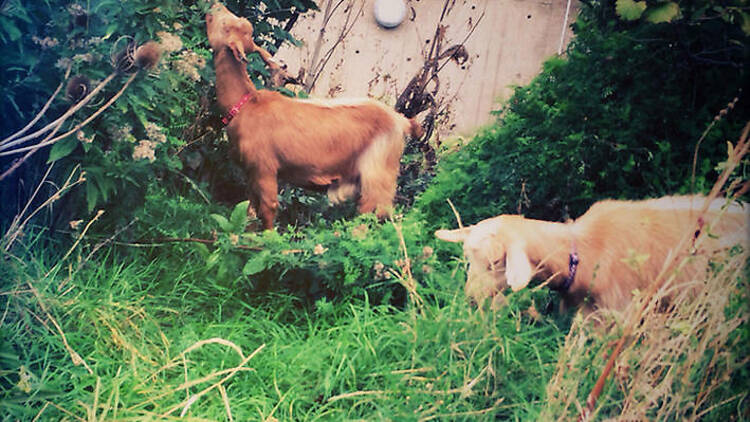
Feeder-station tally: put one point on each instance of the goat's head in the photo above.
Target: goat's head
(225, 30)
(496, 250)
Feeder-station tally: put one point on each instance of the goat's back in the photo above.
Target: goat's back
(317, 134)
(629, 241)
(668, 218)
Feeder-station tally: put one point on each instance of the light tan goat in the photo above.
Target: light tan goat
(345, 147)
(612, 249)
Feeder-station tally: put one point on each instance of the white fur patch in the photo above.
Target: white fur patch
(336, 102)
(682, 203)
(373, 158)
(341, 192)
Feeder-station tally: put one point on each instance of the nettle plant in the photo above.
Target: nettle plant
(341, 258)
(141, 138)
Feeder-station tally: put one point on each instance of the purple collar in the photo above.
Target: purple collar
(572, 269)
(235, 109)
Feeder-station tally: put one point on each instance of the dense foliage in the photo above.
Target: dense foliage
(150, 134)
(618, 116)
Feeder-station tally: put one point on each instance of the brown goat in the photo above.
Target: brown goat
(611, 250)
(346, 147)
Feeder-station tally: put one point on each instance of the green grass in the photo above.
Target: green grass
(143, 328)
(154, 333)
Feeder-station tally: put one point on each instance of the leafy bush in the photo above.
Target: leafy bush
(144, 137)
(619, 116)
(342, 259)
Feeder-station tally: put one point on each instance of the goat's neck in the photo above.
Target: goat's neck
(550, 246)
(232, 81)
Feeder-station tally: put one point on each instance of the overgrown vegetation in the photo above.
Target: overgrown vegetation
(163, 305)
(617, 117)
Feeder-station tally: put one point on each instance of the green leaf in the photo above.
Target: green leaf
(256, 264)
(92, 195)
(111, 29)
(11, 29)
(630, 10)
(213, 259)
(239, 215)
(745, 22)
(664, 12)
(223, 222)
(202, 250)
(62, 148)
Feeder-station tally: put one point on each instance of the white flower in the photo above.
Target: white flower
(63, 63)
(169, 42)
(86, 58)
(154, 133)
(82, 137)
(45, 42)
(189, 63)
(144, 149)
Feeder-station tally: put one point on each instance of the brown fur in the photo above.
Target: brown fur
(622, 246)
(347, 147)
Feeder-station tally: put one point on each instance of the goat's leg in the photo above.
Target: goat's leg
(378, 170)
(268, 202)
(252, 210)
(377, 195)
(377, 190)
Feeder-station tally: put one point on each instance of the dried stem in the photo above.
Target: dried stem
(17, 226)
(74, 356)
(61, 119)
(78, 126)
(41, 112)
(735, 156)
(316, 64)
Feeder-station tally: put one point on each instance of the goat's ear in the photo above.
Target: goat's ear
(518, 271)
(458, 235)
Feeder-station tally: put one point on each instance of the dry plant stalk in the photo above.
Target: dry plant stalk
(190, 399)
(74, 356)
(185, 404)
(422, 91)
(650, 300)
(318, 63)
(15, 231)
(405, 276)
(659, 352)
(10, 145)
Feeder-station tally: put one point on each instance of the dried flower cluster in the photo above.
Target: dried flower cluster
(83, 138)
(381, 271)
(154, 133)
(169, 43)
(45, 42)
(144, 149)
(189, 63)
(122, 133)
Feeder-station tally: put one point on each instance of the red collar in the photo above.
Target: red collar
(235, 109)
